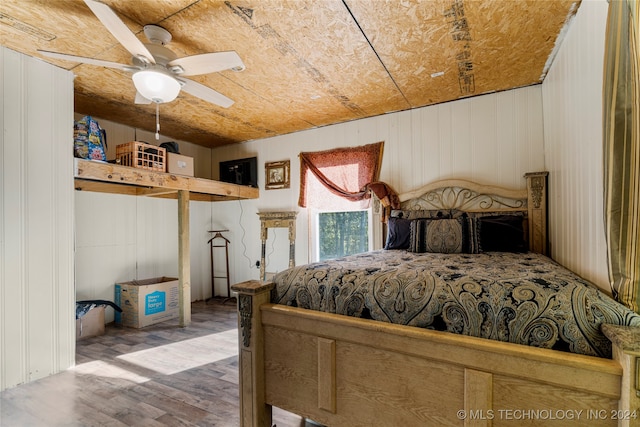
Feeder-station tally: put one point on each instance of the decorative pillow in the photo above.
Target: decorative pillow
(437, 235)
(504, 233)
(455, 213)
(398, 233)
(420, 213)
(472, 234)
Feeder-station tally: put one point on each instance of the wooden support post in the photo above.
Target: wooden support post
(184, 259)
(625, 342)
(254, 412)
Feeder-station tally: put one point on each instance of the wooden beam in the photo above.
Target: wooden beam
(87, 170)
(105, 187)
(184, 258)
(132, 190)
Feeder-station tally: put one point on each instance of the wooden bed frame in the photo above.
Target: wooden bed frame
(343, 371)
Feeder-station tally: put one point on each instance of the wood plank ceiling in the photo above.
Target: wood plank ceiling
(309, 63)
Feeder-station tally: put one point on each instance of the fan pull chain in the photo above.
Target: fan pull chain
(157, 121)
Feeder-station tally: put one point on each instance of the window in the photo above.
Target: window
(334, 186)
(338, 226)
(342, 233)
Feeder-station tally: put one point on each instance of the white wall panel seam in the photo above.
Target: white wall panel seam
(24, 309)
(3, 175)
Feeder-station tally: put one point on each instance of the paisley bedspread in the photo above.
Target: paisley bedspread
(523, 298)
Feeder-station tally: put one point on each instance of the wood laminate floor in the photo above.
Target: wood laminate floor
(161, 375)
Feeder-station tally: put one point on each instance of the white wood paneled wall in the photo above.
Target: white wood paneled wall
(572, 99)
(37, 301)
(494, 138)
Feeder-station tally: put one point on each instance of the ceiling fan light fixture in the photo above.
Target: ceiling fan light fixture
(156, 85)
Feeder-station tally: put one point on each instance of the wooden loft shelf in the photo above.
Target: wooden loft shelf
(111, 178)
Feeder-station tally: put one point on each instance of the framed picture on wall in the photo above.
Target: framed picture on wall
(276, 175)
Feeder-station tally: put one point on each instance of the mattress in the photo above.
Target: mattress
(523, 298)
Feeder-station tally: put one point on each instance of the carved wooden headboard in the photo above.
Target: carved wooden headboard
(469, 196)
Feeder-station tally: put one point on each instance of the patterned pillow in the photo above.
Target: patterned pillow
(472, 234)
(420, 213)
(398, 233)
(438, 235)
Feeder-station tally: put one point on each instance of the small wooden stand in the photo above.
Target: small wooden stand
(277, 220)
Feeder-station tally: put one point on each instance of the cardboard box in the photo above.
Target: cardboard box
(179, 165)
(147, 302)
(91, 324)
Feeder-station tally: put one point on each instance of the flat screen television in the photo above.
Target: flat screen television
(241, 171)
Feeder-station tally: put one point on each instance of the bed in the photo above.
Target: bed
(415, 336)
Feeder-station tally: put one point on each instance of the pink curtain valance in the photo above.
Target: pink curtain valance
(345, 172)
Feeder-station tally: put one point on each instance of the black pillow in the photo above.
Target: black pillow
(503, 233)
(398, 233)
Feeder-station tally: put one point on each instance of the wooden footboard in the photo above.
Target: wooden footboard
(342, 371)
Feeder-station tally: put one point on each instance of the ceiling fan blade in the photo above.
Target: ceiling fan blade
(141, 99)
(203, 92)
(120, 31)
(208, 63)
(85, 60)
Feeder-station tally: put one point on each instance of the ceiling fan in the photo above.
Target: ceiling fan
(158, 74)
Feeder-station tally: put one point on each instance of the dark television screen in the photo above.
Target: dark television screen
(241, 171)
